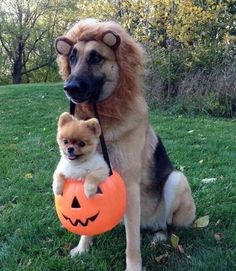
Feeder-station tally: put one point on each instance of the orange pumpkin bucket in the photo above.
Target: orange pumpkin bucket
(95, 215)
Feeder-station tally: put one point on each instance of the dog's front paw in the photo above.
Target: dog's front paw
(76, 251)
(90, 189)
(133, 266)
(57, 189)
(82, 247)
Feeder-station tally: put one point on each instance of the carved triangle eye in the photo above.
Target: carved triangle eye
(75, 203)
(99, 191)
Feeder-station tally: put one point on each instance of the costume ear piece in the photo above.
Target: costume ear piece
(110, 39)
(63, 46)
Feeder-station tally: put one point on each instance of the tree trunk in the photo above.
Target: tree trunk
(18, 64)
(16, 73)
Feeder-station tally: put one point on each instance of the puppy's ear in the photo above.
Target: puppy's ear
(111, 39)
(94, 126)
(64, 118)
(63, 46)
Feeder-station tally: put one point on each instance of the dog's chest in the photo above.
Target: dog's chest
(78, 170)
(74, 171)
(115, 155)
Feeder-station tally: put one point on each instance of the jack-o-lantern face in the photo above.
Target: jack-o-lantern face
(95, 215)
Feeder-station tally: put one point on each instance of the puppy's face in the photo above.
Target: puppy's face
(77, 139)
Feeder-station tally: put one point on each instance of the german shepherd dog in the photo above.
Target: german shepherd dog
(100, 60)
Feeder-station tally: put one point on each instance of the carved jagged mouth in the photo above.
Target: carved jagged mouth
(78, 221)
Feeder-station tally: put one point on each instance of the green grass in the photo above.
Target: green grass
(30, 234)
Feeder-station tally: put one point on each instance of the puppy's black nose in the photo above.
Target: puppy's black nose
(70, 150)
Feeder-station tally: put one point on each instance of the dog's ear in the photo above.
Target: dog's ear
(111, 39)
(64, 118)
(63, 46)
(94, 126)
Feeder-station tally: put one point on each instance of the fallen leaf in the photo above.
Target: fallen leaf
(67, 246)
(49, 240)
(218, 222)
(201, 222)
(218, 236)
(162, 258)
(181, 249)
(208, 180)
(12, 204)
(201, 161)
(153, 244)
(190, 132)
(29, 263)
(18, 230)
(174, 240)
(12, 146)
(29, 175)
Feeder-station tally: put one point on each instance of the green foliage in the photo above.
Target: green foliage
(27, 32)
(197, 105)
(182, 38)
(30, 233)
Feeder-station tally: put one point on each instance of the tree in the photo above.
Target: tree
(27, 30)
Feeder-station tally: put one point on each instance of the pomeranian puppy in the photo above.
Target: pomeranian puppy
(78, 141)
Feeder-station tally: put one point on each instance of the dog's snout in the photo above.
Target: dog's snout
(71, 86)
(70, 150)
(84, 87)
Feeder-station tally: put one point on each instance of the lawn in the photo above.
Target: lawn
(31, 237)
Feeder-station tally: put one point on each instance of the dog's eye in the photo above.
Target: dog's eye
(73, 57)
(65, 141)
(94, 58)
(81, 144)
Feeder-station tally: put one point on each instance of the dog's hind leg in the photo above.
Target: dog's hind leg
(177, 206)
(183, 210)
(83, 246)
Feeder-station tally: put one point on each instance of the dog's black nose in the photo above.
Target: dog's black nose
(77, 88)
(70, 150)
(71, 86)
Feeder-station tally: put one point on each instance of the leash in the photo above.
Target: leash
(102, 139)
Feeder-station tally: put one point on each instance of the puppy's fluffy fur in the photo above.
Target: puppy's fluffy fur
(78, 140)
(101, 58)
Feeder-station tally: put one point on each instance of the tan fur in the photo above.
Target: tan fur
(129, 58)
(89, 165)
(130, 139)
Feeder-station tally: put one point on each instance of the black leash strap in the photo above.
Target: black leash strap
(102, 139)
(72, 108)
